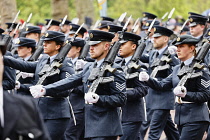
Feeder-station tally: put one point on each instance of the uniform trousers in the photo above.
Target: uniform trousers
(161, 119)
(130, 130)
(56, 127)
(76, 132)
(192, 131)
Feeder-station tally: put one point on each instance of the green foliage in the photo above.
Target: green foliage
(41, 9)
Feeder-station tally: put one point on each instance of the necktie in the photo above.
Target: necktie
(182, 64)
(48, 61)
(157, 54)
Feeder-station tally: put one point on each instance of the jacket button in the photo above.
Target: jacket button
(7, 139)
(30, 135)
(88, 86)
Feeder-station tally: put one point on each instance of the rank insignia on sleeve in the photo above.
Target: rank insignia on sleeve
(119, 86)
(206, 84)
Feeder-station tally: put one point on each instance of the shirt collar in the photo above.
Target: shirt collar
(188, 61)
(52, 58)
(127, 59)
(162, 50)
(100, 62)
(26, 59)
(74, 60)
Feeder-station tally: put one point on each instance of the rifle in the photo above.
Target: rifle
(196, 64)
(135, 26)
(57, 63)
(23, 27)
(163, 63)
(107, 64)
(7, 39)
(62, 23)
(163, 17)
(169, 16)
(136, 56)
(39, 47)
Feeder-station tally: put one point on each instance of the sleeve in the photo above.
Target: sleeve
(9, 77)
(203, 90)
(20, 64)
(65, 84)
(118, 92)
(139, 91)
(164, 84)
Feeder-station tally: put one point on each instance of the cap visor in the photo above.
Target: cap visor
(192, 24)
(156, 35)
(123, 41)
(93, 42)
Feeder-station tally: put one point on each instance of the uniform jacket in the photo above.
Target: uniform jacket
(22, 119)
(156, 99)
(197, 92)
(133, 111)
(101, 118)
(57, 105)
(9, 76)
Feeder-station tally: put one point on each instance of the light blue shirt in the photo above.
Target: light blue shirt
(100, 62)
(188, 61)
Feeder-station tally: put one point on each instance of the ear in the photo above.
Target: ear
(106, 46)
(133, 46)
(57, 47)
(79, 49)
(29, 49)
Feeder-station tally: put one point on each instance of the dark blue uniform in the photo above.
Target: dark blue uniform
(22, 119)
(55, 108)
(192, 117)
(101, 118)
(159, 103)
(133, 112)
(76, 97)
(9, 76)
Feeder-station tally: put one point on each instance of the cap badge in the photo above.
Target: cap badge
(191, 20)
(46, 35)
(154, 29)
(70, 27)
(144, 15)
(178, 39)
(108, 27)
(17, 41)
(147, 24)
(26, 29)
(91, 35)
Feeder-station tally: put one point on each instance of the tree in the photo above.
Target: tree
(59, 8)
(8, 11)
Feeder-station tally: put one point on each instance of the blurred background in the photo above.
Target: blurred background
(88, 11)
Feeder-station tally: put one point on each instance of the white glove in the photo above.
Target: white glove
(180, 91)
(37, 91)
(91, 97)
(172, 49)
(143, 76)
(25, 75)
(17, 85)
(80, 64)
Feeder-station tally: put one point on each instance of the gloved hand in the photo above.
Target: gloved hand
(143, 76)
(37, 91)
(172, 49)
(17, 85)
(91, 97)
(80, 64)
(25, 75)
(180, 91)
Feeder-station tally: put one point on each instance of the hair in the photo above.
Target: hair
(194, 51)
(61, 43)
(32, 49)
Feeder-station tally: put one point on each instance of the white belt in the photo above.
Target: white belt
(179, 101)
(129, 88)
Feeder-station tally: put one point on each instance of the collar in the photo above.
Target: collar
(74, 60)
(162, 50)
(52, 58)
(188, 61)
(100, 62)
(26, 59)
(127, 59)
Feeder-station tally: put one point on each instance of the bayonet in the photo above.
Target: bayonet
(122, 17)
(171, 13)
(64, 19)
(164, 16)
(134, 26)
(49, 23)
(183, 26)
(96, 24)
(126, 24)
(16, 16)
(25, 23)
